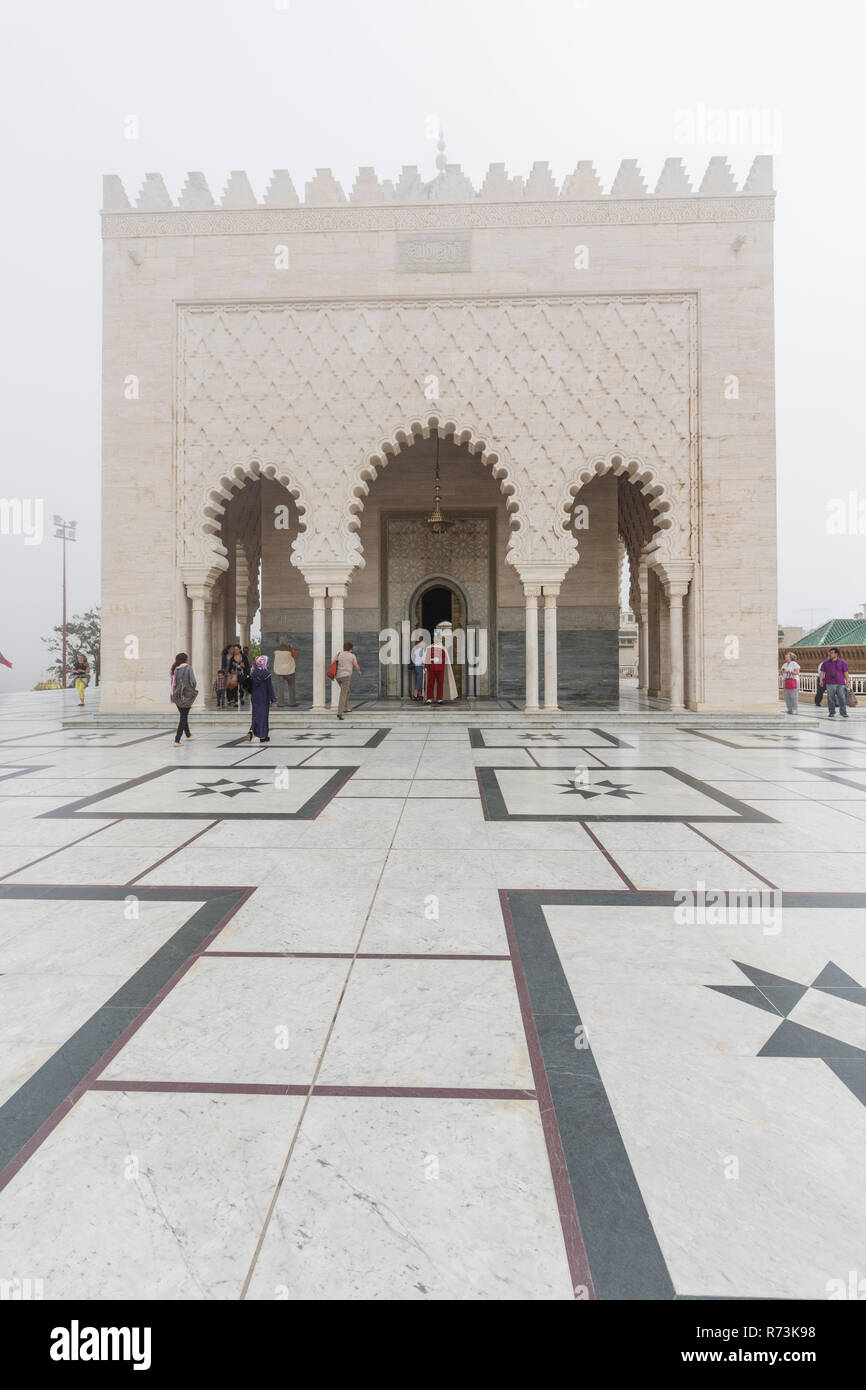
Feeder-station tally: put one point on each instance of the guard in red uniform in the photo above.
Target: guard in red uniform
(435, 658)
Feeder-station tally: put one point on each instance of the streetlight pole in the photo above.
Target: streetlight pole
(64, 531)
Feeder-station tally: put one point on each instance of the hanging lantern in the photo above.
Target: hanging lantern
(436, 521)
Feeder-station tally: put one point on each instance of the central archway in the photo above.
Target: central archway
(439, 598)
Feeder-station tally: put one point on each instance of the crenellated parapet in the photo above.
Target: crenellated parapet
(450, 197)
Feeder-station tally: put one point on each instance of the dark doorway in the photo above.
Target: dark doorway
(435, 608)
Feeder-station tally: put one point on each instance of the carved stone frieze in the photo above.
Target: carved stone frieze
(546, 391)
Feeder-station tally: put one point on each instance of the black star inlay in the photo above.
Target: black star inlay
(620, 789)
(779, 996)
(544, 738)
(222, 786)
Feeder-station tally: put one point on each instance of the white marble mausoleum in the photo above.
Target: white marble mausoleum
(591, 368)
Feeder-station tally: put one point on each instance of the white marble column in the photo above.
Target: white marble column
(551, 678)
(317, 594)
(676, 576)
(337, 594)
(675, 633)
(531, 591)
(198, 655)
(643, 649)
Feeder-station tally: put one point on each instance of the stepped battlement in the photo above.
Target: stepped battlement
(450, 185)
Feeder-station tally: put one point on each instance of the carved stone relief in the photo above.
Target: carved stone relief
(545, 390)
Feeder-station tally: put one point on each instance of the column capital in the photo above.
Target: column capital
(318, 591)
(199, 579)
(339, 591)
(532, 591)
(542, 572)
(551, 591)
(675, 575)
(327, 574)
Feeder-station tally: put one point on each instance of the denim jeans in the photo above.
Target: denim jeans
(836, 693)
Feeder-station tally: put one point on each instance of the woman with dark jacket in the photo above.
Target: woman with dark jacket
(262, 696)
(233, 664)
(183, 693)
(245, 686)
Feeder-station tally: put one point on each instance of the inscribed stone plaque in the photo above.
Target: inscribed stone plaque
(429, 251)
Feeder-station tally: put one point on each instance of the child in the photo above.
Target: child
(219, 688)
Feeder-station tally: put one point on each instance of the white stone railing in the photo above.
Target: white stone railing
(809, 681)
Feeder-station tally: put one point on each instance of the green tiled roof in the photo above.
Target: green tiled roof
(837, 632)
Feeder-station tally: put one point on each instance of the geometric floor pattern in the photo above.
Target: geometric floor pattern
(429, 1011)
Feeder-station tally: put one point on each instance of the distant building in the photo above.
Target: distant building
(848, 634)
(628, 644)
(788, 636)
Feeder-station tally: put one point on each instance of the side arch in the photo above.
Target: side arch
(218, 493)
(669, 530)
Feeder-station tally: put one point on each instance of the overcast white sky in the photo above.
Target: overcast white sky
(253, 84)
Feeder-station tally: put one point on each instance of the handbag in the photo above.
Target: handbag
(183, 695)
(294, 653)
(790, 683)
(850, 699)
(332, 670)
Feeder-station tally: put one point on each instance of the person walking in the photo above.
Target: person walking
(791, 682)
(244, 686)
(285, 659)
(833, 675)
(416, 657)
(262, 698)
(184, 693)
(346, 664)
(80, 674)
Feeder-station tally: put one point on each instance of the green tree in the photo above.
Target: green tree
(83, 633)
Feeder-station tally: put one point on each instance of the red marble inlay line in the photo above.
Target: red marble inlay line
(86, 1083)
(353, 955)
(171, 853)
(742, 865)
(610, 859)
(575, 1250)
(253, 1088)
(52, 852)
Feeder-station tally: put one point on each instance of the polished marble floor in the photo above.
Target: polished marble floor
(432, 1010)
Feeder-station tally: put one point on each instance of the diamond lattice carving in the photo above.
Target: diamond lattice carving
(547, 392)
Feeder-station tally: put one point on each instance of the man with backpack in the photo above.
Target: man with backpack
(285, 658)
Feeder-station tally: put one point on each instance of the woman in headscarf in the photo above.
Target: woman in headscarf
(262, 696)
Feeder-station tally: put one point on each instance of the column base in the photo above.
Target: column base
(532, 709)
